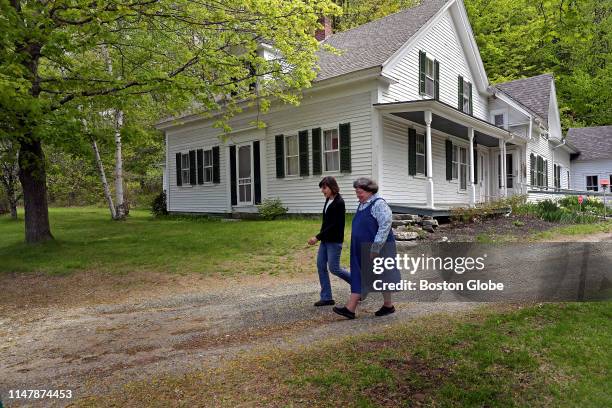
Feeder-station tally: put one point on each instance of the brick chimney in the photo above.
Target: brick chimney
(323, 33)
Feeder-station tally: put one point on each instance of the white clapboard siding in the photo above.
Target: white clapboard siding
(441, 42)
(581, 169)
(402, 188)
(205, 198)
(302, 194)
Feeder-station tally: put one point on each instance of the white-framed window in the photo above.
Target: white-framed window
(331, 150)
(466, 96)
(592, 183)
(420, 154)
(459, 165)
(499, 118)
(292, 155)
(429, 76)
(185, 168)
(208, 166)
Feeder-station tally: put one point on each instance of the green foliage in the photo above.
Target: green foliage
(519, 39)
(571, 39)
(271, 208)
(158, 206)
(565, 210)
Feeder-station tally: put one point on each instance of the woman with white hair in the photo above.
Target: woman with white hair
(372, 228)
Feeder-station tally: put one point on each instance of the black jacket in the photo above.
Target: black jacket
(332, 228)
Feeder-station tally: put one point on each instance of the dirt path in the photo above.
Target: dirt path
(94, 348)
(92, 333)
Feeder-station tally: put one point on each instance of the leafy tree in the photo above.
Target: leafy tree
(52, 65)
(8, 175)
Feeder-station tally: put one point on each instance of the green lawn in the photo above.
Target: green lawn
(86, 239)
(552, 355)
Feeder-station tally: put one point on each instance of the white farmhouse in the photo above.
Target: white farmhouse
(407, 102)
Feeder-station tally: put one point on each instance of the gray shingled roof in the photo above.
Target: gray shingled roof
(593, 142)
(533, 93)
(371, 44)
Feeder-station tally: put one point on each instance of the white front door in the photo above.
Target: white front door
(511, 172)
(244, 183)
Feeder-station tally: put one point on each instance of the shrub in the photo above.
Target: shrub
(158, 206)
(271, 208)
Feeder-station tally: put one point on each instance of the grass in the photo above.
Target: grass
(548, 355)
(574, 229)
(86, 239)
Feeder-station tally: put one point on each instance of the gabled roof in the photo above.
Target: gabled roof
(533, 93)
(594, 143)
(371, 44)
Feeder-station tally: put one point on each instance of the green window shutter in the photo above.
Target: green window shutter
(449, 160)
(192, 167)
(460, 93)
(532, 165)
(200, 159)
(216, 170)
(546, 173)
(316, 151)
(280, 155)
(179, 178)
(475, 164)
(345, 147)
(436, 80)
(470, 96)
(257, 172)
(303, 143)
(422, 63)
(411, 151)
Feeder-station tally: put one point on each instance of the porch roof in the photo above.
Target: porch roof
(450, 120)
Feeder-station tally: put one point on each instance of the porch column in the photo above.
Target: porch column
(472, 186)
(502, 167)
(429, 161)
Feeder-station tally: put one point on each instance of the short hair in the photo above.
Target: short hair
(330, 182)
(366, 184)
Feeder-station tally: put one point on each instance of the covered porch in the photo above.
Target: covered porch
(433, 157)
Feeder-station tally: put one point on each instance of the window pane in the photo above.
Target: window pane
(420, 144)
(420, 164)
(463, 177)
(185, 177)
(331, 139)
(292, 166)
(292, 146)
(185, 161)
(499, 120)
(208, 174)
(429, 68)
(244, 161)
(429, 86)
(332, 161)
(463, 155)
(207, 157)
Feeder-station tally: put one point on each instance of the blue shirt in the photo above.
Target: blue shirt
(383, 215)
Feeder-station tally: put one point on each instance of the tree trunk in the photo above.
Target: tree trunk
(33, 177)
(107, 192)
(120, 208)
(12, 199)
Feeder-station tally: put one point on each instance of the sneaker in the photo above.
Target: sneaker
(325, 303)
(343, 311)
(384, 310)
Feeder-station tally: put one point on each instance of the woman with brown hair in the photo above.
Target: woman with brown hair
(331, 237)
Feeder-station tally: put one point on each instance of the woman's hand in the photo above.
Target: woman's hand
(312, 241)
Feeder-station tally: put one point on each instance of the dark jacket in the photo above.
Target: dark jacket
(332, 228)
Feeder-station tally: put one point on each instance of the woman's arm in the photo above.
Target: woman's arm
(383, 215)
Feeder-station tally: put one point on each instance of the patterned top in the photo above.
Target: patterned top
(382, 213)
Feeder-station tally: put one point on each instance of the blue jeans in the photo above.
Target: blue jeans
(329, 256)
